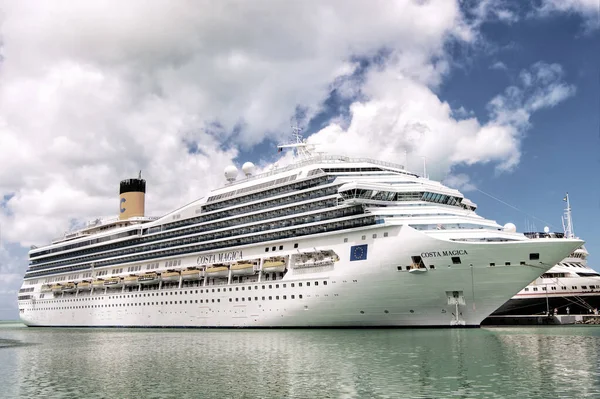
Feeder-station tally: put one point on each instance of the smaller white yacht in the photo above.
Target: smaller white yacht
(570, 287)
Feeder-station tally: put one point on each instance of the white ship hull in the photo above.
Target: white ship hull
(351, 293)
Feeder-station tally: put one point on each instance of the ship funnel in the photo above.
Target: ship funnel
(132, 193)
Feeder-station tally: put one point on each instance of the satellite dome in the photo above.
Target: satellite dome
(510, 228)
(546, 229)
(248, 169)
(231, 173)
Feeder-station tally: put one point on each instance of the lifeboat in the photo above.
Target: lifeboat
(148, 278)
(69, 287)
(191, 273)
(242, 269)
(99, 283)
(273, 265)
(113, 282)
(130, 280)
(170, 275)
(56, 288)
(84, 286)
(217, 272)
(46, 288)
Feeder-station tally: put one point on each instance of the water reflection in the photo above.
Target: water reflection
(415, 363)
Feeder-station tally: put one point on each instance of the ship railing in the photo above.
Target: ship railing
(319, 159)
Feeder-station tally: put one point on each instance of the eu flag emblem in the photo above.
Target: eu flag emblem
(358, 252)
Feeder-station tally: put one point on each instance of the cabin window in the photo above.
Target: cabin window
(296, 245)
(267, 249)
(456, 260)
(534, 256)
(399, 267)
(280, 247)
(506, 263)
(385, 234)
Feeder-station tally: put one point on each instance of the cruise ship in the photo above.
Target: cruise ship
(328, 241)
(570, 287)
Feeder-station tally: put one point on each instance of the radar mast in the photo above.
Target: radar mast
(566, 219)
(302, 149)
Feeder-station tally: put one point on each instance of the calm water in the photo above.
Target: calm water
(546, 362)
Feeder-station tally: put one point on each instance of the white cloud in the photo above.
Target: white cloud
(589, 10)
(493, 10)
(460, 181)
(94, 91)
(499, 65)
(402, 114)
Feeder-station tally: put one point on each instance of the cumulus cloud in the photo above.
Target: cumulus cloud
(94, 91)
(403, 115)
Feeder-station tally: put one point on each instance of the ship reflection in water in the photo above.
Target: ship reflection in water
(416, 363)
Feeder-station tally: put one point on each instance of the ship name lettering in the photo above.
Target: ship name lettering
(438, 254)
(219, 258)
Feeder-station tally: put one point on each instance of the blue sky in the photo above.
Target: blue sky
(561, 150)
(501, 97)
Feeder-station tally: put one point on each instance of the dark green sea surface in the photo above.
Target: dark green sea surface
(542, 362)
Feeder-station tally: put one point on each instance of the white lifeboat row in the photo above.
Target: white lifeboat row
(242, 268)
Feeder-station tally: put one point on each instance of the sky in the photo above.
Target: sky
(501, 98)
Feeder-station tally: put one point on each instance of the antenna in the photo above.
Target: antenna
(424, 166)
(140, 175)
